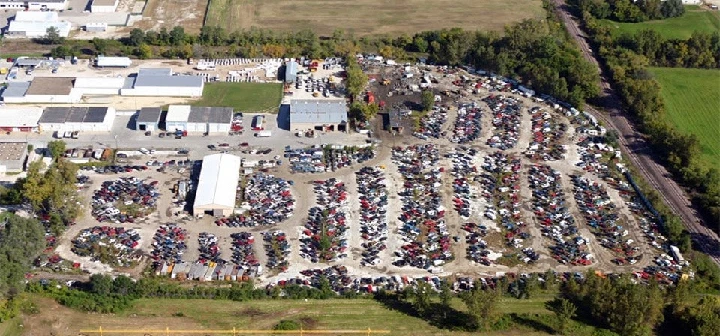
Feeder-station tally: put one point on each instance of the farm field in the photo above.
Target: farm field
(367, 17)
(692, 104)
(188, 14)
(264, 314)
(674, 28)
(243, 97)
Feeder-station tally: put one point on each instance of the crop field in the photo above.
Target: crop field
(367, 17)
(243, 97)
(674, 28)
(692, 104)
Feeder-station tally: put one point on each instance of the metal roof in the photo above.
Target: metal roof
(178, 113)
(22, 62)
(213, 115)
(76, 114)
(318, 111)
(39, 27)
(217, 186)
(99, 82)
(104, 2)
(149, 115)
(104, 61)
(168, 81)
(54, 115)
(16, 89)
(50, 86)
(20, 116)
(291, 69)
(155, 72)
(36, 16)
(95, 114)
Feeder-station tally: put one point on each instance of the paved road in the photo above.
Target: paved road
(639, 152)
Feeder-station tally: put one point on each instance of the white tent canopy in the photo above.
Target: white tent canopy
(217, 187)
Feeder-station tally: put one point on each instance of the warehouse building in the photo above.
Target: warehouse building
(291, 70)
(58, 90)
(13, 156)
(148, 119)
(321, 115)
(70, 119)
(34, 5)
(112, 62)
(217, 187)
(35, 24)
(98, 85)
(19, 119)
(163, 82)
(211, 120)
(103, 6)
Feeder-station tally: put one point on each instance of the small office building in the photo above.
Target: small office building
(148, 119)
(70, 119)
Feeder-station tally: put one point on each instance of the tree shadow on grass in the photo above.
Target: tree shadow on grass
(437, 315)
(535, 324)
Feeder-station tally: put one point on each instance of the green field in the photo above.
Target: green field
(243, 97)
(693, 105)
(369, 17)
(674, 28)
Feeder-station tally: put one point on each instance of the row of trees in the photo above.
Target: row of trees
(701, 50)
(633, 11)
(641, 96)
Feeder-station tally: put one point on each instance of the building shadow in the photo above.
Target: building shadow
(283, 117)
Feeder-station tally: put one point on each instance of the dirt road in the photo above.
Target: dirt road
(640, 152)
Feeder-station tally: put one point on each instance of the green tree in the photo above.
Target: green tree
(428, 100)
(177, 36)
(21, 240)
(144, 51)
(421, 297)
(287, 325)
(57, 149)
(52, 36)
(100, 45)
(356, 79)
(481, 305)
(564, 312)
(137, 37)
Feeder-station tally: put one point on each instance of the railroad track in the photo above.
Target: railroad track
(635, 148)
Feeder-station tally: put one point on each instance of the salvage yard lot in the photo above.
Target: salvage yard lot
(674, 28)
(367, 17)
(692, 105)
(243, 97)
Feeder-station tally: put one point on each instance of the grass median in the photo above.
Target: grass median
(243, 97)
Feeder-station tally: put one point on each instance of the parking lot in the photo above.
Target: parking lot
(466, 198)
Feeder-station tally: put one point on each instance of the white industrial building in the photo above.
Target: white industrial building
(212, 120)
(34, 5)
(96, 27)
(13, 156)
(162, 82)
(103, 6)
(28, 24)
(58, 90)
(148, 119)
(217, 187)
(112, 62)
(88, 119)
(324, 115)
(20, 119)
(99, 85)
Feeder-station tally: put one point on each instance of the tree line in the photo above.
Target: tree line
(633, 11)
(627, 59)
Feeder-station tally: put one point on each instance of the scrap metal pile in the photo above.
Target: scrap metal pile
(423, 229)
(116, 241)
(463, 170)
(547, 133)
(323, 236)
(602, 217)
(267, 200)
(209, 249)
(373, 213)
(124, 200)
(506, 121)
(168, 244)
(243, 253)
(328, 158)
(277, 249)
(431, 124)
(552, 213)
(467, 125)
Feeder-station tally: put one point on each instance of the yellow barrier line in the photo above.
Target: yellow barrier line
(233, 331)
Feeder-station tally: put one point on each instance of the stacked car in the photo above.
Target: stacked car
(209, 249)
(115, 245)
(168, 244)
(547, 134)
(243, 253)
(463, 169)
(477, 247)
(552, 213)
(320, 159)
(506, 121)
(266, 200)
(373, 213)
(431, 124)
(124, 200)
(423, 229)
(467, 125)
(277, 249)
(323, 236)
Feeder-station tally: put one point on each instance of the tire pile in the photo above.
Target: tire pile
(323, 236)
(267, 200)
(373, 213)
(506, 122)
(115, 199)
(168, 244)
(431, 124)
(243, 253)
(552, 213)
(467, 125)
(423, 228)
(547, 134)
(602, 217)
(209, 248)
(277, 249)
(116, 241)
